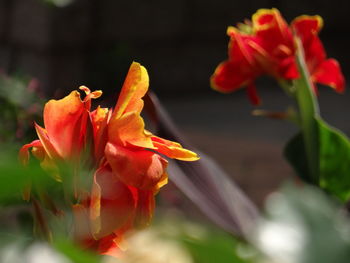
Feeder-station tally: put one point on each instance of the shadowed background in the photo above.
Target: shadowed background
(65, 44)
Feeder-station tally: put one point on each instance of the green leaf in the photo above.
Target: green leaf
(220, 249)
(295, 154)
(303, 225)
(74, 253)
(334, 160)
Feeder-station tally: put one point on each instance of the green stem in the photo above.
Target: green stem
(309, 111)
(40, 224)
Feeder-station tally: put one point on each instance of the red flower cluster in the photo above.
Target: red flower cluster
(266, 45)
(129, 169)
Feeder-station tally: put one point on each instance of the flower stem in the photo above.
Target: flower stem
(41, 226)
(308, 111)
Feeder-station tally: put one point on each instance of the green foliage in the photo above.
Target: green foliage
(20, 105)
(304, 226)
(216, 246)
(334, 160)
(71, 251)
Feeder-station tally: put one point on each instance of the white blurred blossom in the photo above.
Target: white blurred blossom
(36, 253)
(150, 246)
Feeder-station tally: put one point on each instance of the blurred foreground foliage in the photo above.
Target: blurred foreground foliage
(20, 104)
(301, 225)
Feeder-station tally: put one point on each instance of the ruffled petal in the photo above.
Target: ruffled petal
(65, 123)
(275, 44)
(272, 30)
(142, 169)
(307, 26)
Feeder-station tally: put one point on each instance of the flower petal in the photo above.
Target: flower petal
(129, 130)
(230, 76)
(271, 28)
(65, 123)
(275, 44)
(173, 149)
(145, 208)
(46, 143)
(142, 169)
(112, 203)
(99, 119)
(307, 26)
(252, 94)
(24, 151)
(134, 88)
(329, 73)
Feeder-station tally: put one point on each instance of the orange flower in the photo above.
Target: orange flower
(266, 46)
(129, 167)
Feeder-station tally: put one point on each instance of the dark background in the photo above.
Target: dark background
(180, 42)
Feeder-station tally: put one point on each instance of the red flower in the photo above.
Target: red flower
(129, 167)
(266, 46)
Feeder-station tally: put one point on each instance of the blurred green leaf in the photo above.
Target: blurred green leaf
(74, 253)
(20, 105)
(303, 226)
(217, 246)
(334, 160)
(295, 154)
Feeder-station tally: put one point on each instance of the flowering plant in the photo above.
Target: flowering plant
(107, 168)
(295, 57)
(267, 45)
(128, 167)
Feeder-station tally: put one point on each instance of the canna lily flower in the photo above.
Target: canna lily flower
(129, 161)
(322, 70)
(266, 46)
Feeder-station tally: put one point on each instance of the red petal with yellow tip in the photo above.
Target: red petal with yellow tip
(272, 29)
(275, 38)
(307, 26)
(142, 169)
(173, 149)
(134, 88)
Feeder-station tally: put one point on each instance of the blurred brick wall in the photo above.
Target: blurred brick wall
(92, 42)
